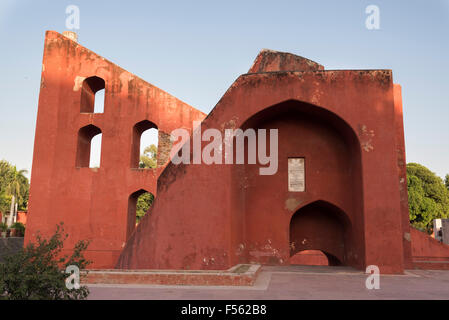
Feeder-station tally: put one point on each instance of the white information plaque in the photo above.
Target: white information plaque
(296, 176)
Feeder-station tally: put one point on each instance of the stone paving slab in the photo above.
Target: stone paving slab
(292, 283)
(239, 275)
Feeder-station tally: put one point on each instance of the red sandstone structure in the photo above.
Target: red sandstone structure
(346, 125)
(95, 203)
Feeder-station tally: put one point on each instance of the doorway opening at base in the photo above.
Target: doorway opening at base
(314, 258)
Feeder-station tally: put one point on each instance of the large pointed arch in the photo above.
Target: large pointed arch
(331, 150)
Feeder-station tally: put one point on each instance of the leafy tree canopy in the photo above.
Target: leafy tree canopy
(148, 160)
(13, 182)
(144, 203)
(428, 197)
(36, 272)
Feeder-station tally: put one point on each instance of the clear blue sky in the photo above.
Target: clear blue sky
(196, 49)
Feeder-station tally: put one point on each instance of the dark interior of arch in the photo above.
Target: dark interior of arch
(314, 258)
(296, 107)
(320, 226)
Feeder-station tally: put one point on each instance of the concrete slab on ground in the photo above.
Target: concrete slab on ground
(239, 275)
(295, 283)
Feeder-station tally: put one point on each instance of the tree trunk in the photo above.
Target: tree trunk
(15, 212)
(11, 211)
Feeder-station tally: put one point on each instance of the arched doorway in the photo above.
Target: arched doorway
(138, 204)
(314, 258)
(319, 226)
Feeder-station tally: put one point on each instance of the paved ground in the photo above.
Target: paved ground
(296, 282)
(10, 246)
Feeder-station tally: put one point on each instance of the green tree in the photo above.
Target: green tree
(144, 203)
(14, 187)
(428, 197)
(148, 160)
(18, 186)
(5, 199)
(5, 202)
(446, 181)
(36, 272)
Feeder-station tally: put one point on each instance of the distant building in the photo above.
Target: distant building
(20, 217)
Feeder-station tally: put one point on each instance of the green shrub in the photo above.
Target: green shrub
(37, 271)
(20, 229)
(3, 227)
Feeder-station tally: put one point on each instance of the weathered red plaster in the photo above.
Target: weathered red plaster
(425, 248)
(402, 176)
(273, 61)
